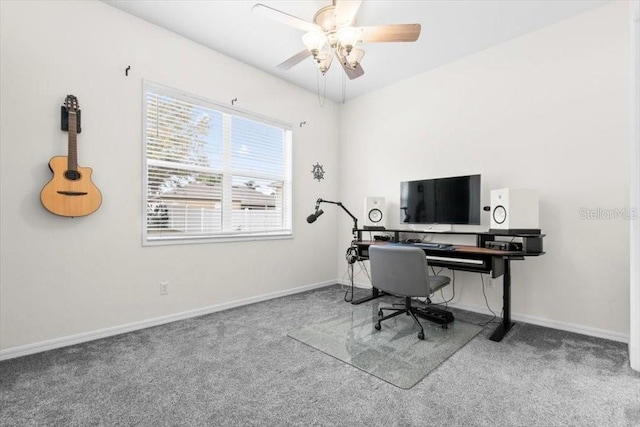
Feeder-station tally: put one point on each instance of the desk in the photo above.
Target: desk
(466, 258)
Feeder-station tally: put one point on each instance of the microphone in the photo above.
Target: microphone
(312, 218)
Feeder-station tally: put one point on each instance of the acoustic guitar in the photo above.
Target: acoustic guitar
(70, 192)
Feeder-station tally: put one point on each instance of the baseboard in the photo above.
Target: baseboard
(41, 346)
(553, 324)
(359, 285)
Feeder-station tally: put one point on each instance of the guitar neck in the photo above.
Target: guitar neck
(73, 142)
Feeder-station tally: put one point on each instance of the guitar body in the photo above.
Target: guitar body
(70, 192)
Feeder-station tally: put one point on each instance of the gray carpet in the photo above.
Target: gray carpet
(238, 367)
(393, 354)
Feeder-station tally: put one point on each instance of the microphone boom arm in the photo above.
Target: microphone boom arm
(355, 220)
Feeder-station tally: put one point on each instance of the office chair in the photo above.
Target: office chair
(402, 271)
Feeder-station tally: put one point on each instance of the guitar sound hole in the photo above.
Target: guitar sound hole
(72, 175)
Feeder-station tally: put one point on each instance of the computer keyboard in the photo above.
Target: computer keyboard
(432, 245)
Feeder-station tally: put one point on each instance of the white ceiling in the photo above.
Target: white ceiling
(451, 29)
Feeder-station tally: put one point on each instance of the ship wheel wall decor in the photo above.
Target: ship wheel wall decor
(318, 172)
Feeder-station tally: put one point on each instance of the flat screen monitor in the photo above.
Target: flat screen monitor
(453, 200)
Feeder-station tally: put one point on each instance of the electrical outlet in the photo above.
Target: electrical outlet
(489, 282)
(164, 288)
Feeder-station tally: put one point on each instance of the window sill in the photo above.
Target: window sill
(226, 238)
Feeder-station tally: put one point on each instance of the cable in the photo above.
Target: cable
(350, 270)
(453, 286)
(487, 303)
(434, 271)
(426, 238)
(363, 267)
(445, 301)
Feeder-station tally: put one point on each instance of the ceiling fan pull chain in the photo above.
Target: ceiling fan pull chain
(322, 100)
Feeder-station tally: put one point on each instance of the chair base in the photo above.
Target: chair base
(408, 309)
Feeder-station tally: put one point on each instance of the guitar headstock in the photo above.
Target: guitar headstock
(71, 104)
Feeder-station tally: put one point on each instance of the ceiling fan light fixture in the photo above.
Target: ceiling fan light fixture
(332, 39)
(348, 37)
(354, 58)
(324, 61)
(314, 41)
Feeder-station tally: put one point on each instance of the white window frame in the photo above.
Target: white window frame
(227, 235)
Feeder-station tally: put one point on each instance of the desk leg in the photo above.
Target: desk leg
(506, 324)
(375, 293)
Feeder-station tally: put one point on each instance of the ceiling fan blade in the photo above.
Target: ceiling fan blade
(294, 60)
(284, 18)
(352, 73)
(346, 10)
(391, 33)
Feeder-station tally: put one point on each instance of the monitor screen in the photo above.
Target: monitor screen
(453, 200)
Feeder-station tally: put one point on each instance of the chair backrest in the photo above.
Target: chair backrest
(399, 270)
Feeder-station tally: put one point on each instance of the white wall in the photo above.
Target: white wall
(548, 110)
(61, 277)
(634, 249)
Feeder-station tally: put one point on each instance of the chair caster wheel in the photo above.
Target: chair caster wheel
(377, 326)
(421, 336)
(380, 313)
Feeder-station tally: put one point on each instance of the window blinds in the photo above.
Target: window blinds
(212, 172)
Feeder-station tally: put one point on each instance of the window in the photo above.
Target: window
(212, 172)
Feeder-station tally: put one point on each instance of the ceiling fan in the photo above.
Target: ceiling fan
(334, 32)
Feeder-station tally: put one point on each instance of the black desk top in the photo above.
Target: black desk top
(469, 233)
